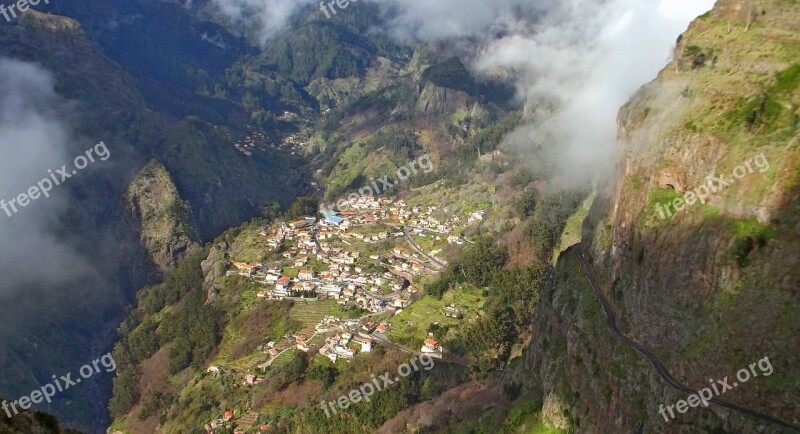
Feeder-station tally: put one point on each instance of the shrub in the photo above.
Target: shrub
(741, 249)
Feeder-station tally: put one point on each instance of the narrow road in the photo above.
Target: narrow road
(419, 250)
(429, 230)
(269, 362)
(387, 342)
(657, 364)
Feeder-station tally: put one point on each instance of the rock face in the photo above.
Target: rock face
(165, 220)
(713, 288)
(435, 100)
(214, 268)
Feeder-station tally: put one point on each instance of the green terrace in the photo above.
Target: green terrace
(410, 327)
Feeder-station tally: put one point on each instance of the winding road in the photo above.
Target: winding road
(407, 232)
(384, 340)
(657, 364)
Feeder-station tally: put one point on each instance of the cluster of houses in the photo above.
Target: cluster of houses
(330, 323)
(423, 219)
(404, 261)
(219, 422)
(353, 339)
(340, 346)
(323, 264)
(453, 311)
(476, 216)
(304, 240)
(252, 142)
(316, 260)
(337, 283)
(294, 143)
(259, 141)
(227, 420)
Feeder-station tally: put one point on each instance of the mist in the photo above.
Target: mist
(263, 17)
(34, 259)
(578, 68)
(575, 62)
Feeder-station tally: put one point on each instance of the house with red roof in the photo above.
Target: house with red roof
(432, 348)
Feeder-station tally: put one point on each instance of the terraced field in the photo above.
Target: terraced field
(310, 313)
(283, 359)
(429, 310)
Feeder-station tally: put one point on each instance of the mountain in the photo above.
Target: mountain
(709, 290)
(209, 111)
(102, 99)
(30, 422)
(206, 254)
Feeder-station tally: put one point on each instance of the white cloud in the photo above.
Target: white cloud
(585, 57)
(33, 139)
(264, 17)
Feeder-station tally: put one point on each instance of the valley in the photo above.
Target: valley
(406, 217)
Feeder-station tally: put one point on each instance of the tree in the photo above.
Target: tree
(325, 374)
(303, 206)
(296, 368)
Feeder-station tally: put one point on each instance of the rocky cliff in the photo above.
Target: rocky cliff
(694, 240)
(165, 221)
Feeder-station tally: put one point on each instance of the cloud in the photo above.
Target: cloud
(34, 258)
(264, 17)
(576, 62)
(447, 19)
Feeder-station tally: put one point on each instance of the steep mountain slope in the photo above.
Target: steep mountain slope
(158, 83)
(398, 111)
(31, 422)
(711, 288)
(103, 102)
(708, 287)
(165, 221)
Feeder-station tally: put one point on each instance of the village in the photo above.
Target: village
(364, 258)
(320, 259)
(259, 142)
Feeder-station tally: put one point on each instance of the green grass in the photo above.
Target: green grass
(656, 196)
(119, 425)
(769, 109)
(752, 228)
(663, 196)
(356, 167)
(310, 313)
(461, 200)
(634, 181)
(526, 418)
(572, 230)
(749, 235)
(429, 310)
(249, 246)
(283, 359)
(291, 272)
(522, 418)
(709, 212)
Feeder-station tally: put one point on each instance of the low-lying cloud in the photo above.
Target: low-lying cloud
(34, 259)
(576, 62)
(264, 17)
